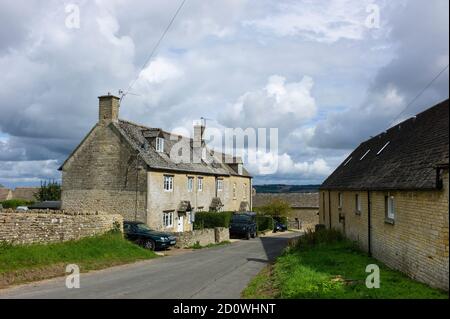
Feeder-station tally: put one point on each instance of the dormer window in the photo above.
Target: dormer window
(159, 144)
(240, 169)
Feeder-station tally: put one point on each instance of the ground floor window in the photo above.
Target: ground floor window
(168, 219)
(357, 204)
(389, 204)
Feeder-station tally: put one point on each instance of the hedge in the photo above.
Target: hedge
(264, 223)
(14, 203)
(212, 220)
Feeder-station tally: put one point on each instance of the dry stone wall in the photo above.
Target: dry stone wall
(45, 226)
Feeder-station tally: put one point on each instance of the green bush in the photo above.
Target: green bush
(264, 223)
(14, 203)
(322, 236)
(212, 220)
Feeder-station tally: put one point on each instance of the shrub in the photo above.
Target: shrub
(264, 223)
(212, 220)
(322, 236)
(14, 203)
(49, 191)
(276, 207)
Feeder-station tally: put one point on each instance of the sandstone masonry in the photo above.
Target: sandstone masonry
(45, 226)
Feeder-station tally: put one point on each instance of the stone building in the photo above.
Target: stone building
(304, 211)
(150, 175)
(391, 196)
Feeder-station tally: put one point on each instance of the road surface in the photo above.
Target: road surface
(219, 272)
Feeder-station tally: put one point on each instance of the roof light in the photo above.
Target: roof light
(382, 149)
(364, 155)
(347, 161)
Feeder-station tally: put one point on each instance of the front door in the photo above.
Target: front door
(180, 227)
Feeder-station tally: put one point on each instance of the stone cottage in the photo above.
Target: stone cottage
(391, 196)
(149, 175)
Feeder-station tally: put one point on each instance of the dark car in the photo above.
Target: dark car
(142, 235)
(243, 225)
(278, 226)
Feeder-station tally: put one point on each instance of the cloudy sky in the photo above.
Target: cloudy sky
(327, 74)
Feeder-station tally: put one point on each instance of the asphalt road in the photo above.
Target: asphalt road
(219, 272)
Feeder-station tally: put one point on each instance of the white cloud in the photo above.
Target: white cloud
(160, 70)
(278, 104)
(326, 22)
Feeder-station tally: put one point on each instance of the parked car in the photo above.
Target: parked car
(278, 226)
(243, 225)
(22, 208)
(142, 235)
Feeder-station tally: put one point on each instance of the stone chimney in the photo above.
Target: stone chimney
(108, 110)
(199, 129)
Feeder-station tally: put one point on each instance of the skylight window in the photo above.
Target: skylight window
(348, 161)
(365, 154)
(382, 149)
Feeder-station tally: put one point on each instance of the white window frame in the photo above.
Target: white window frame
(340, 200)
(358, 203)
(365, 154)
(190, 184)
(159, 144)
(219, 185)
(390, 207)
(168, 219)
(200, 184)
(168, 183)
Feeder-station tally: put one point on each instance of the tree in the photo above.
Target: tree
(49, 191)
(276, 208)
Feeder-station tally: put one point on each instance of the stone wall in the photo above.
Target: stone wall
(203, 237)
(42, 226)
(417, 243)
(308, 217)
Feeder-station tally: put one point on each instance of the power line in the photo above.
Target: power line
(153, 50)
(418, 95)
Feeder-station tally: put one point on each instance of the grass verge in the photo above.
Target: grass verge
(333, 270)
(24, 263)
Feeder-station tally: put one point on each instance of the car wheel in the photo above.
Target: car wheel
(247, 235)
(149, 244)
(253, 235)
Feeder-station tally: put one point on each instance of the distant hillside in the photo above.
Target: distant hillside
(280, 188)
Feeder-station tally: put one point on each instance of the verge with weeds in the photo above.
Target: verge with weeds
(325, 265)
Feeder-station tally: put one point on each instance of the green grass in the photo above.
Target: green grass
(332, 270)
(39, 261)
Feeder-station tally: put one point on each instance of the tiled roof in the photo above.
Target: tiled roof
(296, 200)
(404, 157)
(142, 140)
(25, 193)
(5, 194)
